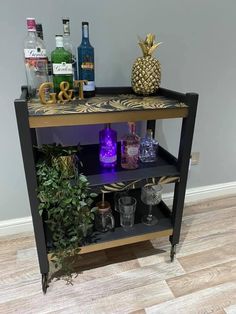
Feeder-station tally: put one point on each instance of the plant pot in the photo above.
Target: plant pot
(66, 164)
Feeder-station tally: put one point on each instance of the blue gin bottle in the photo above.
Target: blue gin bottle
(86, 62)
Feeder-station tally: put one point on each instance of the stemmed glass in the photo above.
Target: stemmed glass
(151, 195)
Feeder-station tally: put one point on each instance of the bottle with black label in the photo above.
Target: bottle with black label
(68, 44)
(86, 62)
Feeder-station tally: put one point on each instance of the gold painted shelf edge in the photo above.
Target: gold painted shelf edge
(120, 242)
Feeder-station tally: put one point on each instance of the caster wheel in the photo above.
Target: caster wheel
(44, 283)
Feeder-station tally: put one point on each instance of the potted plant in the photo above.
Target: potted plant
(66, 205)
(64, 158)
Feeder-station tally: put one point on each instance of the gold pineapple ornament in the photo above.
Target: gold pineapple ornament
(146, 70)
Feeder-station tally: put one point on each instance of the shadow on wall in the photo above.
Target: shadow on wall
(86, 134)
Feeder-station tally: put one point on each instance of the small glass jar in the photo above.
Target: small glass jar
(104, 220)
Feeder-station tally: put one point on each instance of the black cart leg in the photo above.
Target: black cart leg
(27, 139)
(172, 252)
(45, 282)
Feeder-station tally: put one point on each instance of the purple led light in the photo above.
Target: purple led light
(108, 147)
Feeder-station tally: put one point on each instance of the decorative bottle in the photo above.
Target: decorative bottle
(68, 45)
(108, 147)
(85, 61)
(35, 60)
(61, 65)
(148, 148)
(130, 144)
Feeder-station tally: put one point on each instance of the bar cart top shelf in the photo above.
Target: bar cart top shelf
(107, 107)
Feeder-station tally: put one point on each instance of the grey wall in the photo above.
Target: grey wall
(198, 54)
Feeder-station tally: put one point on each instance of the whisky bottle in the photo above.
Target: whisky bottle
(85, 61)
(68, 45)
(61, 65)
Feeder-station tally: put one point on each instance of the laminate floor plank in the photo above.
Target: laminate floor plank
(208, 301)
(136, 278)
(208, 258)
(203, 278)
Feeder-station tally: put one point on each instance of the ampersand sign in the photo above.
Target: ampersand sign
(65, 94)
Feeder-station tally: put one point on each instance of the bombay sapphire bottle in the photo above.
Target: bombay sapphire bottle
(148, 148)
(108, 147)
(86, 62)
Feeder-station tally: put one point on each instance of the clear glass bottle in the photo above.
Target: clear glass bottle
(61, 65)
(36, 60)
(68, 45)
(130, 144)
(85, 61)
(39, 30)
(148, 148)
(108, 147)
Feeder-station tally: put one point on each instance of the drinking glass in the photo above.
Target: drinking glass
(127, 207)
(117, 196)
(151, 195)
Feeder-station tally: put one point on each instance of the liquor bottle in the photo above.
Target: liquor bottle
(68, 45)
(85, 61)
(148, 148)
(108, 147)
(39, 30)
(130, 144)
(36, 61)
(61, 65)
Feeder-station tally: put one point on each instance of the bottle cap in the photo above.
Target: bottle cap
(85, 23)
(66, 25)
(59, 41)
(31, 24)
(131, 126)
(150, 132)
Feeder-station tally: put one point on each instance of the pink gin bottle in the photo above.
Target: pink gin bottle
(130, 144)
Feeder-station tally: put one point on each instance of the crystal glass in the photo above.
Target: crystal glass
(148, 148)
(130, 149)
(127, 207)
(151, 195)
(108, 147)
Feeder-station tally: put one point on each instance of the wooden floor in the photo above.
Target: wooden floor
(136, 278)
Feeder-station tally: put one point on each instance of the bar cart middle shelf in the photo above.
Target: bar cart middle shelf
(112, 105)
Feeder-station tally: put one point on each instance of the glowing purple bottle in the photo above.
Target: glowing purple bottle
(108, 147)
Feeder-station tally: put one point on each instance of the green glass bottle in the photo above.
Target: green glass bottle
(61, 65)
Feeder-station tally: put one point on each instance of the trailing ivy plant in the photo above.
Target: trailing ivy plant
(66, 206)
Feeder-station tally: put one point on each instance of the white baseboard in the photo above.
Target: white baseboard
(193, 195)
(14, 226)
